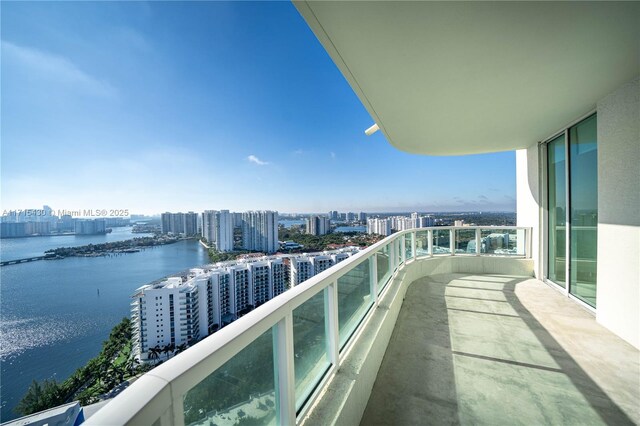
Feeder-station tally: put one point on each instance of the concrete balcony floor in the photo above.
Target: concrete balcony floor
(497, 349)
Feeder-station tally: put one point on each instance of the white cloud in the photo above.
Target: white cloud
(252, 158)
(53, 67)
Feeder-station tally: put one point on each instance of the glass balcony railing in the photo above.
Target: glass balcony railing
(268, 366)
(422, 243)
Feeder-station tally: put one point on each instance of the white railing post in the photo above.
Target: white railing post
(331, 323)
(373, 274)
(478, 242)
(392, 256)
(414, 244)
(403, 250)
(452, 241)
(430, 242)
(177, 409)
(285, 374)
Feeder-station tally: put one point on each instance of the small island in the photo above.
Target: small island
(133, 245)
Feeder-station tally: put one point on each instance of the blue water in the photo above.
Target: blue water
(351, 229)
(288, 223)
(52, 319)
(19, 248)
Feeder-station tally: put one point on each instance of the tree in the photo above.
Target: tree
(154, 353)
(40, 397)
(181, 348)
(166, 349)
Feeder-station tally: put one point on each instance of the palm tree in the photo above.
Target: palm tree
(165, 349)
(181, 348)
(154, 353)
(132, 365)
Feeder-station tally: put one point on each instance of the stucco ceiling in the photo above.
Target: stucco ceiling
(445, 78)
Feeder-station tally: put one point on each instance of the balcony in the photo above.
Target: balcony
(435, 324)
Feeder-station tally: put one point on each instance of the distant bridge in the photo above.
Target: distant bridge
(25, 260)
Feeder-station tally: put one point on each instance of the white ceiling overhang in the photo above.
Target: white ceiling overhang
(446, 78)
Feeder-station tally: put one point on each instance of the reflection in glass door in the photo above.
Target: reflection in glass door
(583, 166)
(573, 203)
(557, 194)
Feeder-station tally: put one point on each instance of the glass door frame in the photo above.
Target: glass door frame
(544, 191)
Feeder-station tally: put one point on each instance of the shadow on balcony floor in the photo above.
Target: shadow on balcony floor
(496, 349)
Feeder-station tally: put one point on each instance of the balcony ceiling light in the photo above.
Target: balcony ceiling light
(371, 130)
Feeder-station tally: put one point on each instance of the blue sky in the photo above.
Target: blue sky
(174, 106)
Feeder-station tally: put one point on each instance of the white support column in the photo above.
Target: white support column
(452, 242)
(403, 251)
(285, 374)
(430, 242)
(373, 276)
(331, 323)
(478, 242)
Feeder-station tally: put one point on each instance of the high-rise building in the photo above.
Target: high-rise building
(321, 263)
(301, 269)
(318, 225)
(415, 220)
(379, 226)
(222, 303)
(187, 308)
(339, 257)
(217, 229)
(165, 314)
(241, 289)
(237, 220)
(191, 223)
(260, 231)
(261, 287)
(279, 276)
(90, 227)
(362, 217)
(426, 221)
(179, 223)
(333, 215)
(13, 229)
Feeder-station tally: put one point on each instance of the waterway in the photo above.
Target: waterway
(288, 223)
(351, 229)
(53, 319)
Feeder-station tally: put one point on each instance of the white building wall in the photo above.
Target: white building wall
(618, 290)
(528, 200)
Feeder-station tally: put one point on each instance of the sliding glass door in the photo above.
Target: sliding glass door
(572, 201)
(583, 165)
(557, 202)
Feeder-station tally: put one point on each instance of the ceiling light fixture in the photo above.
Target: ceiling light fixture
(371, 130)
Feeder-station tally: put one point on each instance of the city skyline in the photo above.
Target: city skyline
(167, 107)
